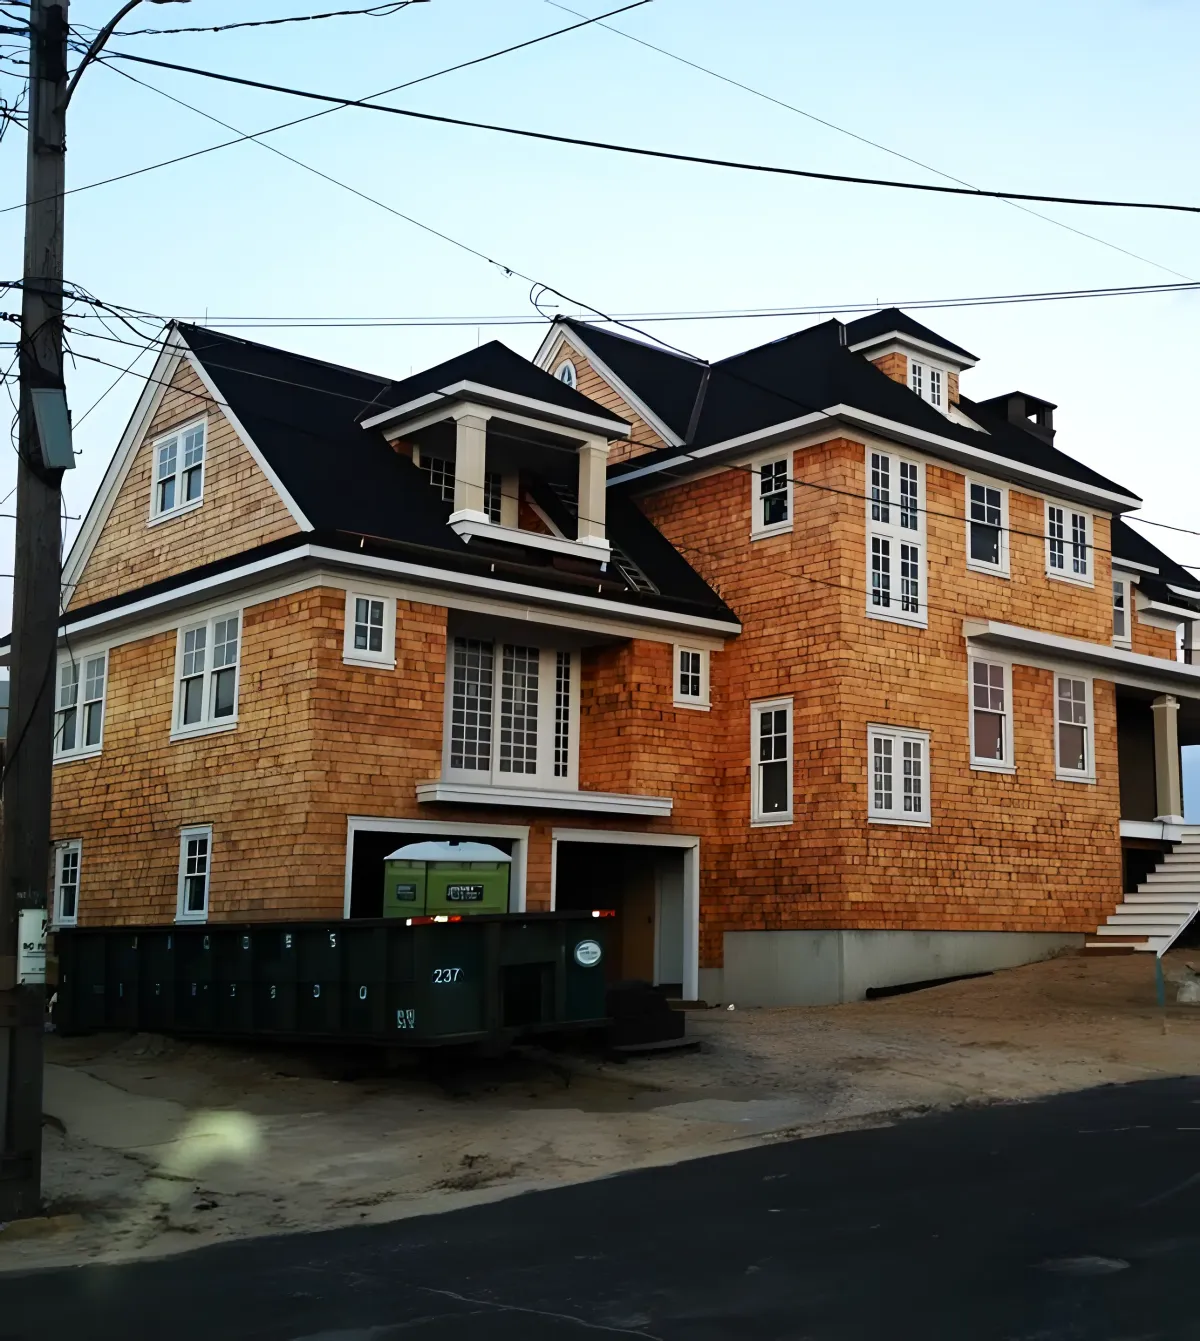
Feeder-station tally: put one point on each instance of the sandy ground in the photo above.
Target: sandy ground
(154, 1145)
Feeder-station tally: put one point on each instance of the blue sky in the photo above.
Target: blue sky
(1067, 98)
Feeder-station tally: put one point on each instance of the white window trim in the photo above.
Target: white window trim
(893, 532)
(1088, 776)
(573, 381)
(180, 508)
(758, 819)
(759, 531)
(927, 367)
(357, 656)
(1128, 583)
(1008, 763)
(1064, 574)
(69, 845)
(544, 779)
(1000, 569)
(898, 734)
(703, 703)
(193, 831)
(207, 726)
(80, 658)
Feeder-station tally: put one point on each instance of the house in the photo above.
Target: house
(821, 674)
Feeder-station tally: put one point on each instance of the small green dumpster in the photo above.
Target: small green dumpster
(452, 877)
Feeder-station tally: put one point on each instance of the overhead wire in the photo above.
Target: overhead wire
(380, 11)
(640, 151)
(862, 139)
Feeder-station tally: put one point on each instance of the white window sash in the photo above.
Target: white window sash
(187, 462)
(987, 507)
(548, 730)
(758, 777)
(1079, 721)
(79, 717)
(199, 679)
(193, 841)
(776, 469)
(352, 654)
(898, 776)
(987, 762)
(690, 677)
(1069, 543)
(896, 567)
(1124, 587)
(68, 858)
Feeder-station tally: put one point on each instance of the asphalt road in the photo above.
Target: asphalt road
(1076, 1219)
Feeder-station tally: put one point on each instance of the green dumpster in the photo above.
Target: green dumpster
(428, 879)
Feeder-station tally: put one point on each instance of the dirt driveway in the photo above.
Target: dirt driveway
(155, 1146)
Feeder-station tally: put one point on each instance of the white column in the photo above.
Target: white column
(593, 476)
(1167, 780)
(470, 463)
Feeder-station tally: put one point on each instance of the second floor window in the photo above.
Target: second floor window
(773, 497)
(691, 677)
(179, 470)
(1122, 606)
(895, 536)
(79, 716)
(512, 714)
(987, 546)
(207, 670)
(1068, 543)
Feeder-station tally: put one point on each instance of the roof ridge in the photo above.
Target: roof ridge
(576, 323)
(184, 326)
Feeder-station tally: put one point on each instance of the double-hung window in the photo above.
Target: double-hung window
(1068, 544)
(897, 776)
(206, 673)
(895, 539)
(512, 714)
(67, 857)
(691, 677)
(771, 761)
(991, 716)
(195, 864)
(1073, 729)
(79, 706)
(1122, 611)
(370, 638)
(178, 471)
(441, 476)
(772, 483)
(987, 527)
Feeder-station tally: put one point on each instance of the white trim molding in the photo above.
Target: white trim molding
(1158, 831)
(1069, 558)
(903, 342)
(187, 834)
(989, 507)
(982, 697)
(891, 791)
(690, 843)
(468, 524)
(545, 798)
(518, 833)
(1064, 682)
(385, 657)
(1050, 651)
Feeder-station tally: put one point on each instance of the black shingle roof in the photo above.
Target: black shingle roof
(493, 365)
(304, 416)
(889, 319)
(1132, 545)
(814, 369)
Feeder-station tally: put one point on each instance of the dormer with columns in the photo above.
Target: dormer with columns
(521, 456)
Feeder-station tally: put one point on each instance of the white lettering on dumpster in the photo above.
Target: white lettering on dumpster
(447, 975)
(406, 1019)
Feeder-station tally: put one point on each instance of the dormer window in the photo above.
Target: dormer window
(928, 382)
(441, 476)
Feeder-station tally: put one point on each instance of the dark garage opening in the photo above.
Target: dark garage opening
(368, 849)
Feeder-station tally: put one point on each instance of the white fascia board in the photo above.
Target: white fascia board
(961, 454)
(545, 798)
(1157, 830)
(153, 390)
(610, 426)
(1128, 566)
(915, 342)
(1174, 612)
(464, 525)
(1183, 591)
(248, 442)
(635, 403)
(494, 590)
(1110, 663)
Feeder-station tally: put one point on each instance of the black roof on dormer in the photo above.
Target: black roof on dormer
(889, 319)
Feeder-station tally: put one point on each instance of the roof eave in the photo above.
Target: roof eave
(960, 358)
(466, 390)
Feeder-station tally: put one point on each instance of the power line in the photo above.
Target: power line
(285, 125)
(641, 152)
(727, 314)
(862, 139)
(373, 11)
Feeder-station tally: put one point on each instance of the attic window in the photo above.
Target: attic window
(928, 382)
(178, 471)
(441, 476)
(565, 372)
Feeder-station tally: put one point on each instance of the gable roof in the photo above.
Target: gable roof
(304, 417)
(888, 320)
(1132, 545)
(812, 374)
(496, 367)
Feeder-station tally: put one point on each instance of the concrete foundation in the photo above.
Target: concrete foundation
(822, 968)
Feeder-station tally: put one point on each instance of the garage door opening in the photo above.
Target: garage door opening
(644, 886)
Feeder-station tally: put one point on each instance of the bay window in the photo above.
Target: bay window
(512, 714)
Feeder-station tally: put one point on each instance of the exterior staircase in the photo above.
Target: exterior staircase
(1165, 902)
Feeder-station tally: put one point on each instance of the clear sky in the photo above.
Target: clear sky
(1093, 98)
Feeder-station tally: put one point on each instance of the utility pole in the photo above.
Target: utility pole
(25, 835)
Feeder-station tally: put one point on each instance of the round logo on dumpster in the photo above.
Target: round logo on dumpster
(588, 953)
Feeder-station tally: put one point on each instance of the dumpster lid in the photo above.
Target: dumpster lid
(448, 851)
